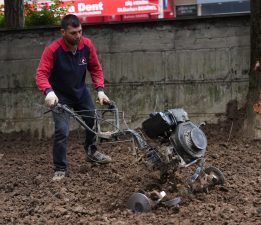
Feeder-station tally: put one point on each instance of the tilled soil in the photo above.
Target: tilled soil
(93, 194)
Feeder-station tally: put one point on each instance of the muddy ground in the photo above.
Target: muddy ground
(98, 194)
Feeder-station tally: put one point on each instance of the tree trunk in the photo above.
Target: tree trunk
(253, 121)
(14, 13)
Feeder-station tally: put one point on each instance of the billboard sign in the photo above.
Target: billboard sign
(108, 7)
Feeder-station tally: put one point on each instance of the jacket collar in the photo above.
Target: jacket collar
(65, 48)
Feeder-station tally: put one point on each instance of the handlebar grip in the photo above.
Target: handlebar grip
(110, 104)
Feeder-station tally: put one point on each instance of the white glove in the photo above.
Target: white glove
(102, 97)
(51, 99)
(257, 65)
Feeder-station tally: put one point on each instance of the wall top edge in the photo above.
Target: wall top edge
(137, 23)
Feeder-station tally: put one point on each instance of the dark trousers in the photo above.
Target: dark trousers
(62, 126)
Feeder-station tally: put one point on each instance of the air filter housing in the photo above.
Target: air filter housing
(161, 123)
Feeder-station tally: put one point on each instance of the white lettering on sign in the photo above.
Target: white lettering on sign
(137, 8)
(126, 9)
(90, 7)
(128, 3)
(92, 13)
(148, 7)
(140, 2)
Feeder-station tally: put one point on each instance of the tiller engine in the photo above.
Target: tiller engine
(181, 144)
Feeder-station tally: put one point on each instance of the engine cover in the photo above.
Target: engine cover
(160, 123)
(189, 141)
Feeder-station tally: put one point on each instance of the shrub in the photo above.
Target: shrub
(46, 15)
(2, 21)
(2, 17)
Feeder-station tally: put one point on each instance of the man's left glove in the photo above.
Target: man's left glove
(51, 99)
(102, 97)
(257, 65)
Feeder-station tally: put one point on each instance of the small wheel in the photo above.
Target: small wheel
(139, 203)
(216, 175)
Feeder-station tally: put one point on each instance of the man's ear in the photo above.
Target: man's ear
(62, 31)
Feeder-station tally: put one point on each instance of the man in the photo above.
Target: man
(61, 77)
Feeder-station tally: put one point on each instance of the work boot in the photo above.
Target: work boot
(98, 157)
(58, 175)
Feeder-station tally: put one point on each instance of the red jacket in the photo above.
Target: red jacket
(64, 72)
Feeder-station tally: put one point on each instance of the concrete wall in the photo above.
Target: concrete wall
(199, 64)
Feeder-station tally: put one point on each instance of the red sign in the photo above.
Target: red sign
(108, 7)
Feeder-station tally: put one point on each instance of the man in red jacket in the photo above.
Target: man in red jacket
(61, 77)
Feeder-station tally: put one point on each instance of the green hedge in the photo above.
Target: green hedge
(2, 17)
(2, 21)
(39, 17)
(45, 16)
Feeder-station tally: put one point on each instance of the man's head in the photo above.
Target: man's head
(71, 29)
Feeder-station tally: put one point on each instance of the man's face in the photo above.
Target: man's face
(72, 35)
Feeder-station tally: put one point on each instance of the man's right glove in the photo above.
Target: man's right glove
(103, 98)
(51, 99)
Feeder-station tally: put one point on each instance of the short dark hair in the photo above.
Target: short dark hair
(70, 20)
